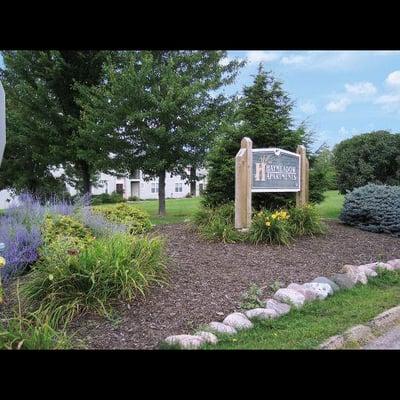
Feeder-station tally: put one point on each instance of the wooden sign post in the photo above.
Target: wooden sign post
(243, 166)
(302, 195)
(267, 170)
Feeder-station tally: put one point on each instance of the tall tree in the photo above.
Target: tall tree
(263, 114)
(44, 113)
(162, 107)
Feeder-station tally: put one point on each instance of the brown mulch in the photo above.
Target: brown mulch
(207, 281)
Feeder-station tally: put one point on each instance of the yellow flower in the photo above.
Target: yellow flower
(2, 262)
(268, 223)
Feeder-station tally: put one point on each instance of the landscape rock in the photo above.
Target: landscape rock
(280, 308)
(321, 290)
(238, 321)
(344, 281)
(185, 341)
(360, 334)
(356, 274)
(219, 327)
(207, 337)
(385, 319)
(334, 342)
(394, 263)
(308, 293)
(261, 313)
(368, 271)
(290, 296)
(374, 266)
(322, 279)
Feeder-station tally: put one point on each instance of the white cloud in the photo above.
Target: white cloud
(360, 88)
(393, 79)
(338, 105)
(308, 107)
(257, 56)
(294, 59)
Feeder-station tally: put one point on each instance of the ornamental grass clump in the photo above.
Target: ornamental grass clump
(270, 227)
(217, 224)
(306, 220)
(64, 285)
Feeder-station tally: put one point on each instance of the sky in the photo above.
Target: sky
(338, 93)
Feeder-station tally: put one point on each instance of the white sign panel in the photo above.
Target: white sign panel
(2, 122)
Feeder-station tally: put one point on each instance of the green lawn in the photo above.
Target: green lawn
(179, 210)
(332, 205)
(316, 321)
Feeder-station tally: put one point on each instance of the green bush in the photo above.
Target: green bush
(305, 221)
(374, 208)
(137, 220)
(67, 229)
(133, 198)
(217, 224)
(106, 198)
(270, 227)
(369, 158)
(63, 286)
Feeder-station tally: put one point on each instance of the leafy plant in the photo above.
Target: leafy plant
(305, 221)
(270, 227)
(252, 298)
(136, 220)
(64, 285)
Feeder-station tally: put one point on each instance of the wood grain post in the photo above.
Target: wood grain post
(243, 166)
(302, 196)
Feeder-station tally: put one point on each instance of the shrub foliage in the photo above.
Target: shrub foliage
(375, 208)
(136, 220)
(369, 158)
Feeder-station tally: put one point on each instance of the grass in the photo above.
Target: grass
(332, 205)
(178, 210)
(316, 321)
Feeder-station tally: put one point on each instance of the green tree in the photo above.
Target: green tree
(368, 158)
(160, 105)
(264, 115)
(44, 113)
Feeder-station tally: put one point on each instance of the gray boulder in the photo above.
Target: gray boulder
(308, 293)
(185, 341)
(238, 321)
(394, 263)
(344, 281)
(261, 313)
(322, 290)
(280, 308)
(290, 296)
(219, 327)
(322, 279)
(207, 337)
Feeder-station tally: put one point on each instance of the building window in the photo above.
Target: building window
(178, 187)
(120, 188)
(201, 188)
(154, 187)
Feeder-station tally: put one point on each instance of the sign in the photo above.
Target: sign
(275, 170)
(267, 170)
(2, 122)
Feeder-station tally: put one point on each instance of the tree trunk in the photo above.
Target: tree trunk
(193, 181)
(161, 194)
(86, 181)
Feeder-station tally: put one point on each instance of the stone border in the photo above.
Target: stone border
(295, 295)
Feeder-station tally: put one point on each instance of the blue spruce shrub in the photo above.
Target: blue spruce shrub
(374, 208)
